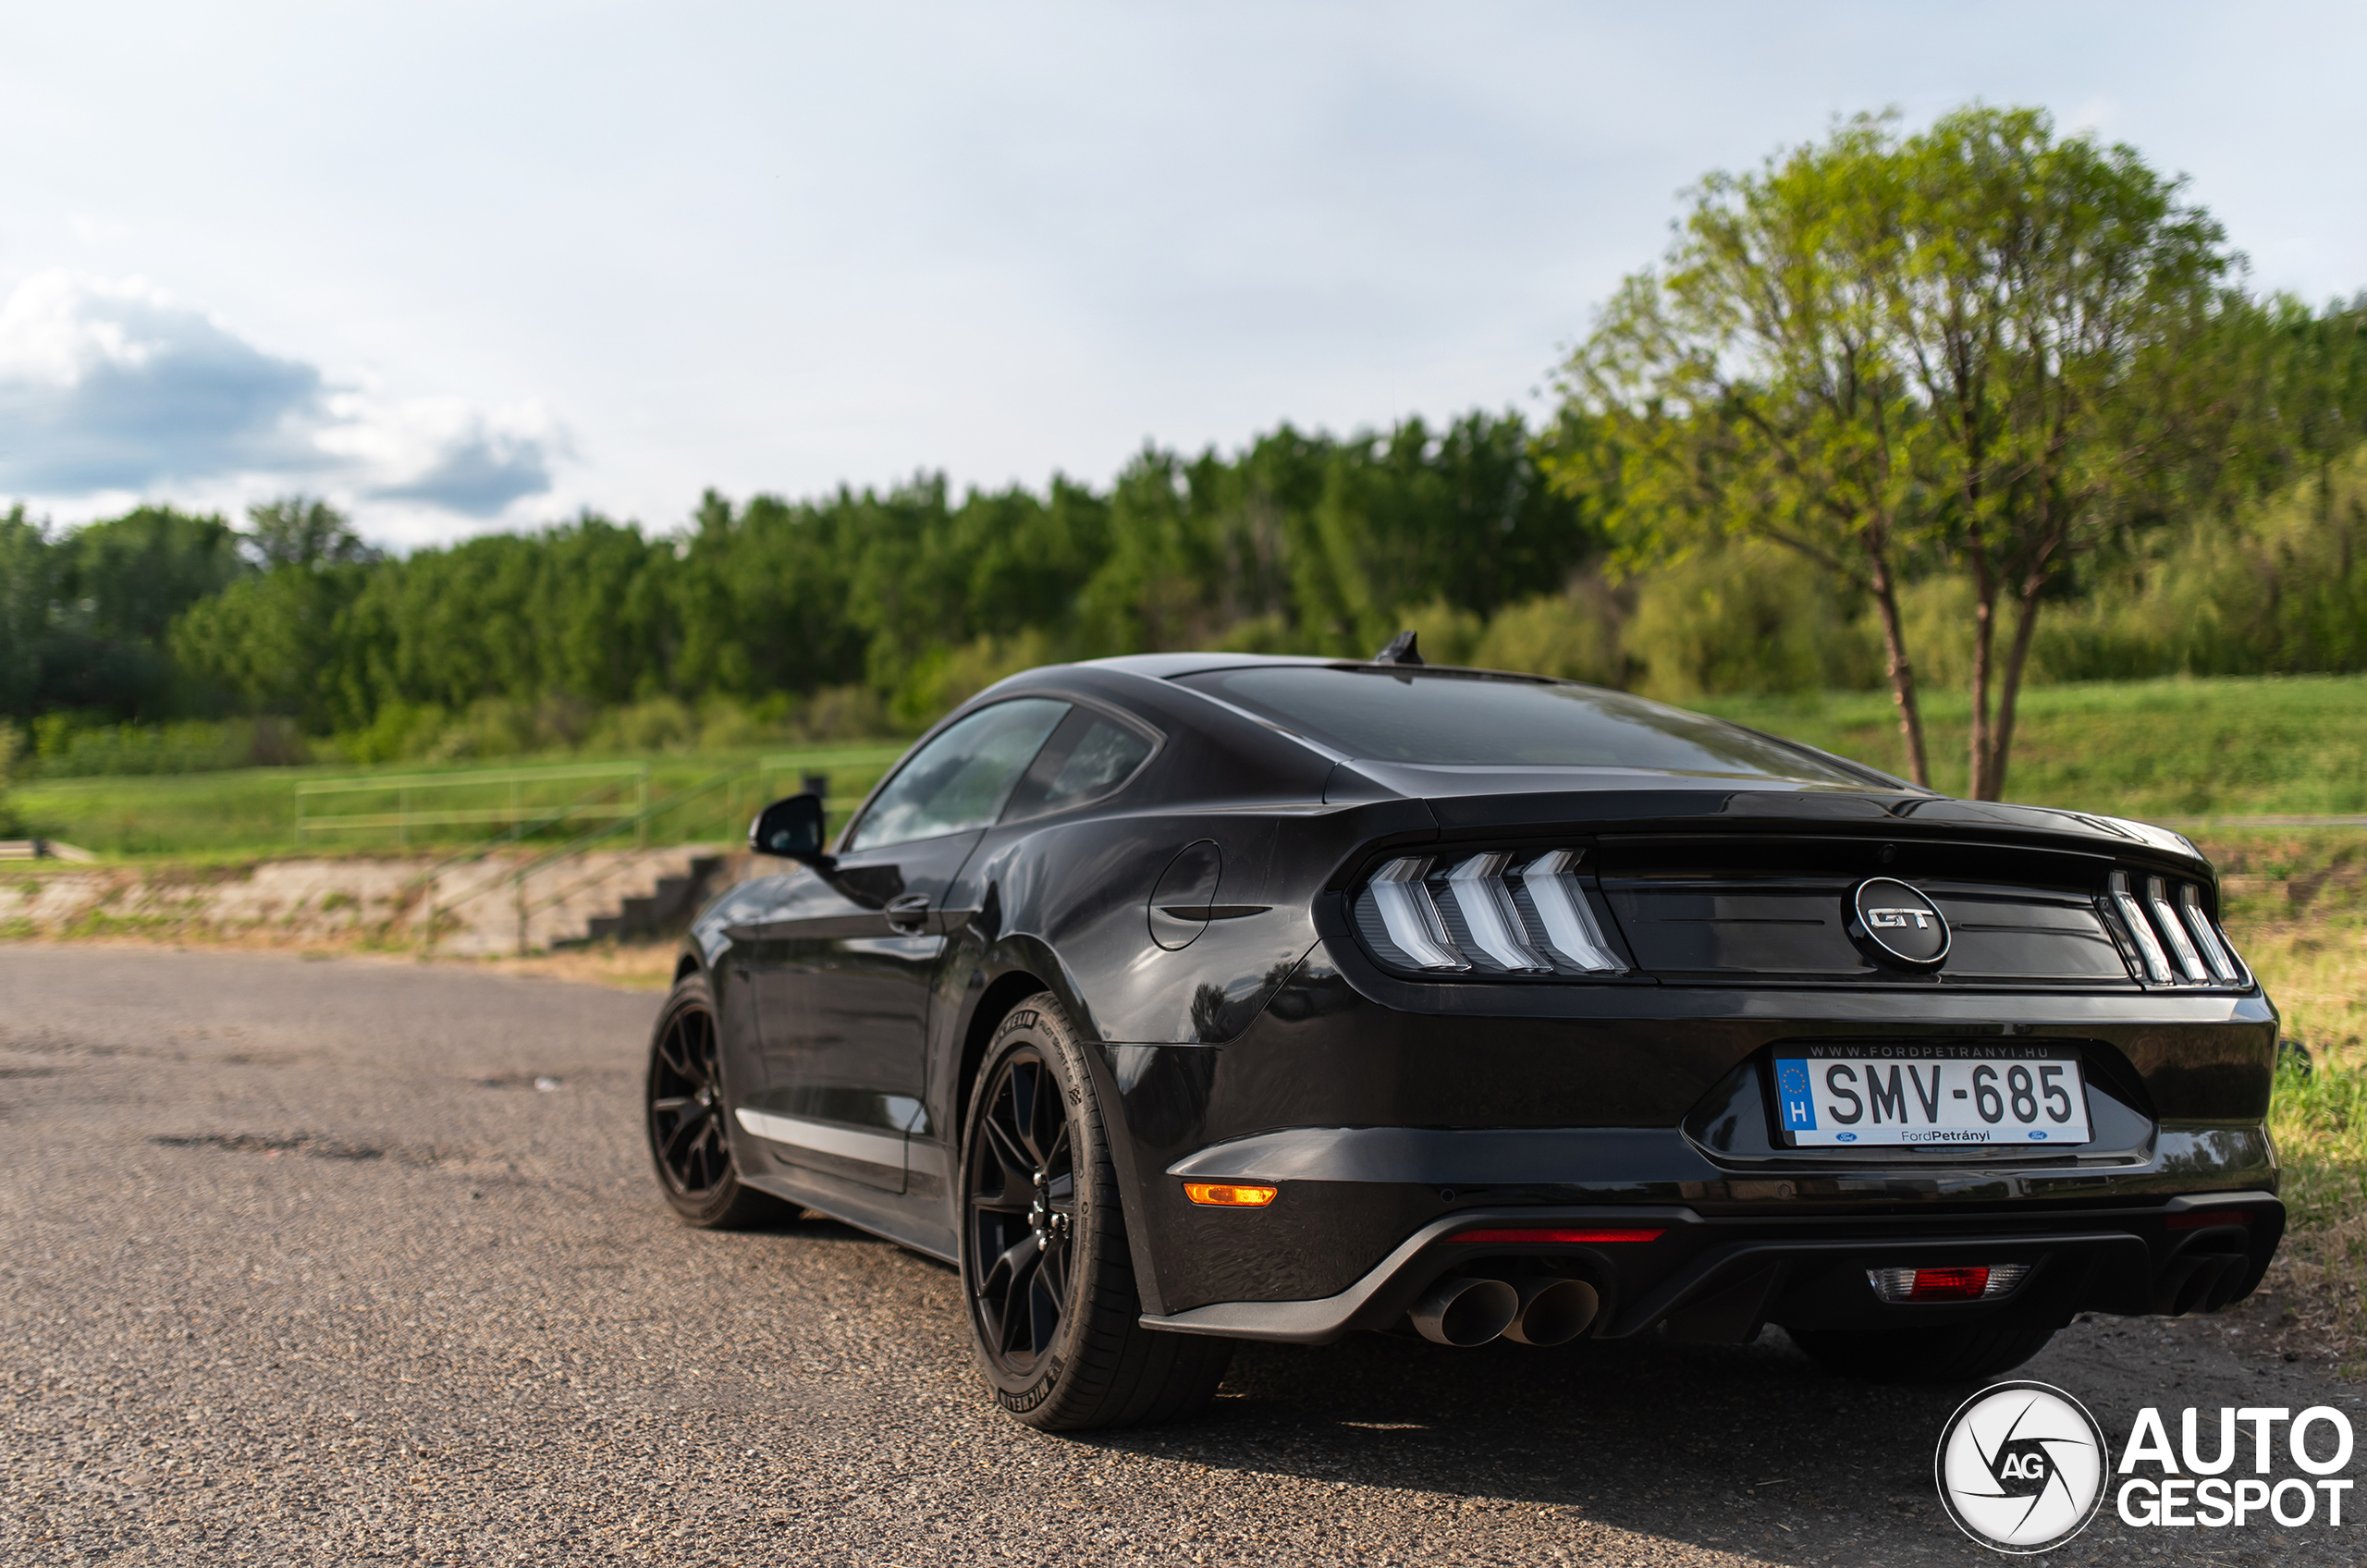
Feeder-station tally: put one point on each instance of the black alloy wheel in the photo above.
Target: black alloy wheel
(1023, 1213)
(689, 1140)
(1055, 1316)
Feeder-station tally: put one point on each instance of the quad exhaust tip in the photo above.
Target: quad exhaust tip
(1460, 1310)
(1553, 1311)
(1543, 1310)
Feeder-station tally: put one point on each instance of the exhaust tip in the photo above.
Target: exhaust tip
(1553, 1311)
(1462, 1311)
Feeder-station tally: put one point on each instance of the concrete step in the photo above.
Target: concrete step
(665, 911)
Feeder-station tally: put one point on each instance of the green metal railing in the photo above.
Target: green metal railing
(512, 813)
(724, 784)
(733, 796)
(518, 811)
(769, 770)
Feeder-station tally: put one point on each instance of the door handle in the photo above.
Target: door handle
(909, 914)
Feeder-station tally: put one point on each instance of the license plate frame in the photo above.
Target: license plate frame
(1944, 1105)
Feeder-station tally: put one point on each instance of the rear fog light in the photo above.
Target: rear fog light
(1919, 1285)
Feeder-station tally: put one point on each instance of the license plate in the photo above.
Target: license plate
(1849, 1096)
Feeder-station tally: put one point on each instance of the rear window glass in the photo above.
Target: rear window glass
(1409, 717)
(1103, 755)
(1087, 756)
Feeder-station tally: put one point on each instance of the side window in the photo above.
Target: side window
(960, 779)
(1088, 755)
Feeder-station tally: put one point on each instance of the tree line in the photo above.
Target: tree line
(1301, 540)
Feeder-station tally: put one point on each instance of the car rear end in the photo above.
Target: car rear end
(1829, 1053)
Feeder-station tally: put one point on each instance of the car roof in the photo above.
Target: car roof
(1168, 667)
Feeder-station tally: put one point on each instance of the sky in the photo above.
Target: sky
(462, 267)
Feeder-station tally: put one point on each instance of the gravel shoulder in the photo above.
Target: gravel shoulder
(337, 1261)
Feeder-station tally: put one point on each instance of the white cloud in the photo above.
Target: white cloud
(110, 388)
(446, 453)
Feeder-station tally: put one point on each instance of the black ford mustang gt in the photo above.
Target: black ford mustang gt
(1186, 998)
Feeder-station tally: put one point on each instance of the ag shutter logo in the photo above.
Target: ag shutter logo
(2021, 1467)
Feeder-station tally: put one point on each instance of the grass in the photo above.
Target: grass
(2155, 749)
(240, 814)
(2151, 749)
(2296, 904)
(2320, 1123)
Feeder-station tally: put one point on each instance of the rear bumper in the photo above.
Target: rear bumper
(1377, 1120)
(1722, 1278)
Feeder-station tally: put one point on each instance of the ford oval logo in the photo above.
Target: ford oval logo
(1896, 925)
(1845, 1137)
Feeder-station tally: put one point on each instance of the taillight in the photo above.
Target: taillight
(1410, 915)
(2177, 943)
(1498, 911)
(2215, 951)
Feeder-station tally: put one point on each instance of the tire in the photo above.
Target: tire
(1047, 1278)
(684, 1106)
(1960, 1353)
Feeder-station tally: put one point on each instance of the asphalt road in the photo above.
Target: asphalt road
(299, 1263)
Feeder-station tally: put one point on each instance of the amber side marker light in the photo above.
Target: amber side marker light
(1525, 1237)
(1228, 1194)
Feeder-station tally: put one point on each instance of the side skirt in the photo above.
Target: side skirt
(865, 1208)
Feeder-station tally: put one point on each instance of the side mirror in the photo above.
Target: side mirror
(792, 830)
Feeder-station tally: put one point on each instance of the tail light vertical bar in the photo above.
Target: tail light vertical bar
(1409, 916)
(2140, 930)
(2157, 893)
(1561, 901)
(1486, 906)
(2215, 953)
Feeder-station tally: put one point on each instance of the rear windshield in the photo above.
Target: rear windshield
(1412, 717)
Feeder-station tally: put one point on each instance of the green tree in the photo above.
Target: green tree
(2052, 298)
(1979, 347)
(304, 532)
(29, 567)
(763, 599)
(1750, 387)
(119, 586)
(277, 644)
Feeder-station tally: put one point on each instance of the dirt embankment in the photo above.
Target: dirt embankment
(505, 907)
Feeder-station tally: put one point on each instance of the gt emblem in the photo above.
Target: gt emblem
(1896, 926)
